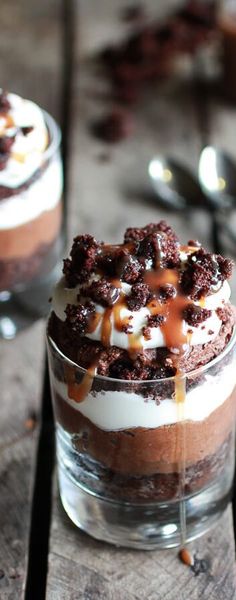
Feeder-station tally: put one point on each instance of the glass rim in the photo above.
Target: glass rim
(55, 135)
(193, 373)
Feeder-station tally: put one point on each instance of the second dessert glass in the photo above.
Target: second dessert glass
(145, 464)
(31, 239)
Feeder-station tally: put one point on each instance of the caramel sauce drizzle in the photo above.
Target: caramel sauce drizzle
(79, 391)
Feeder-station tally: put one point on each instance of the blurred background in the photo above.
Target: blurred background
(139, 88)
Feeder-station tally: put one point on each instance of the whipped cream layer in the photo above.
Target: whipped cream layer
(43, 195)
(117, 410)
(201, 334)
(26, 154)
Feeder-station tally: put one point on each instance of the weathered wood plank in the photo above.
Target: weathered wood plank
(30, 65)
(101, 203)
(80, 567)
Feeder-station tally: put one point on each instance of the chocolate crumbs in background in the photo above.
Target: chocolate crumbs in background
(146, 56)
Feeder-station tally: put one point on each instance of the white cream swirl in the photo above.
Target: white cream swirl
(201, 334)
(26, 154)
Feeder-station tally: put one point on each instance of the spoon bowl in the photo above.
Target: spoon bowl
(174, 184)
(217, 177)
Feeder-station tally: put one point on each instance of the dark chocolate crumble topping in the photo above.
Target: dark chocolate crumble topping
(203, 272)
(102, 292)
(139, 296)
(78, 317)
(194, 315)
(82, 261)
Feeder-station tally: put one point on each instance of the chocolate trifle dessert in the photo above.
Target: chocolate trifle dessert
(30, 191)
(142, 370)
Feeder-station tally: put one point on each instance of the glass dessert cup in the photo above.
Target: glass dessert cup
(31, 250)
(145, 464)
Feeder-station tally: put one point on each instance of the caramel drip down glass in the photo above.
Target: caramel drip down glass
(144, 464)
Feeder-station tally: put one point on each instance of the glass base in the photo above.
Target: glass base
(22, 308)
(147, 527)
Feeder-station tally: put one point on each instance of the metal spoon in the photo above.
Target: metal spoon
(174, 184)
(179, 189)
(217, 177)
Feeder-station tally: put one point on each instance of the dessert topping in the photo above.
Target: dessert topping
(194, 314)
(82, 261)
(102, 291)
(78, 317)
(139, 296)
(203, 273)
(5, 105)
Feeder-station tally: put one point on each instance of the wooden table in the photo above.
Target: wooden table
(43, 44)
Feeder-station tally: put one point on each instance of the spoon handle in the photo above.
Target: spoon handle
(215, 234)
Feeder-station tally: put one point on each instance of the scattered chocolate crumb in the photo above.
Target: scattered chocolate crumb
(139, 296)
(138, 233)
(210, 332)
(147, 334)
(127, 327)
(78, 317)
(3, 160)
(133, 13)
(166, 292)
(186, 557)
(194, 243)
(152, 321)
(82, 261)
(194, 315)
(190, 331)
(113, 127)
(161, 249)
(102, 292)
(26, 130)
(5, 105)
(6, 142)
(203, 272)
(155, 320)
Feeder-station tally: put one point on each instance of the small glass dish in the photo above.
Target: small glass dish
(31, 240)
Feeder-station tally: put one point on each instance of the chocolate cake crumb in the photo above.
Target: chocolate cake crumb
(132, 13)
(147, 334)
(152, 321)
(5, 104)
(163, 251)
(139, 296)
(138, 233)
(26, 130)
(203, 272)
(194, 243)
(3, 160)
(166, 292)
(113, 127)
(78, 317)
(6, 142)
(194, 315)
(102, 292)
(128, 268)
(82, 261)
